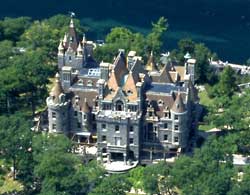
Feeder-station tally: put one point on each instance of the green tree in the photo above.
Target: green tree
(203, 70)
(112, 185)
(136, 177)
(154, 38)
(6, 53)
(15, 140)
(13, 28)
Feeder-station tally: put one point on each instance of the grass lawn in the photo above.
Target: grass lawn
(207, 102)
(204, 99)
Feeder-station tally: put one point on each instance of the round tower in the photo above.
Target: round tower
(58, 108)
(179, 122)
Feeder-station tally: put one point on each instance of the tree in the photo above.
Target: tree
(57, 170)
(227, 83)
(136, 177)
(15, 140)
(203, 71)
(13, 28)
(154, 38)
(6, 53)
(112, 185)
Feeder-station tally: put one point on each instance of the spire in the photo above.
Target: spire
(60, 47)
(65, 40)
(85, 107)
(79, 50)
(178, 106)
(151, 66)
(84, 39)
(57, 90)
(72, 25)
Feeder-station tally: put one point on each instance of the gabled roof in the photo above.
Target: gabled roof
(163, 77)
(130, 86)
(112, 82)
(120, 67)
(178, 106)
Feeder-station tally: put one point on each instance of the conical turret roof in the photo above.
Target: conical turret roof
(178, 105)
(57, 90)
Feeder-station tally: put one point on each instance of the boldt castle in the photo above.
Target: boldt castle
(132, 111)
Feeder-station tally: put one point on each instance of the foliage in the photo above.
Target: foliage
(123, 38)
(13, 28)
(112, 185)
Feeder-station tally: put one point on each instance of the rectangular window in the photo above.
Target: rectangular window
(53, 115)
(75, 113)
(165, 137)
(150, 114)
(131, 140)
(176, 127)
(104, 138)
(117, 128)
(131, 129)
(176, 139)
(117, 141)
(54, 126)
(84, 116)
(78, 125)
(176, 117)
(103, 126)
(165, 125)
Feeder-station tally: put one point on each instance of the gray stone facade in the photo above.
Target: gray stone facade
(132, 113)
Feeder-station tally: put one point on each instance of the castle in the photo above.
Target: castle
(131, 110)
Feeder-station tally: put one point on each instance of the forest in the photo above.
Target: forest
(40, 163)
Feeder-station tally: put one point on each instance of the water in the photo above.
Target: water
(223, 25)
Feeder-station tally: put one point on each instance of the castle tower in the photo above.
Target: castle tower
(58, 108)
(179, 125)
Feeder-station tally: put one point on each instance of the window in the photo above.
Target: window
(131, 129)
(103, 126)
(90, 83)
(150, 113)
(54, 126)
(53, 115)
(117, 128)
(131, 140)
(176, 127)
(78, 125)
(176, 139)
(165, 137)
(84, 116)
(176, 117)
(119, 106)
(104, 138)
(70, 58)
(165, 125)
(75, 113)
(117, 141)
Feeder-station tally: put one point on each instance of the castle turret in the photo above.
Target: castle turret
(179, 125)
(57, 108)
(151, 66)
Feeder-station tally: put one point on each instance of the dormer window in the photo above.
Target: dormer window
(160, 103)
(70, 59)
(90, 83)
(129, 92)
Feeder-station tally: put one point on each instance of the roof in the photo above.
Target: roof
(57, 90)
(178, 106)
(151, 66)
(181, 71)
(130, 86)
(164, 88)
(85, 106)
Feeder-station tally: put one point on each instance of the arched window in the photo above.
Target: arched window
(119, 106)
